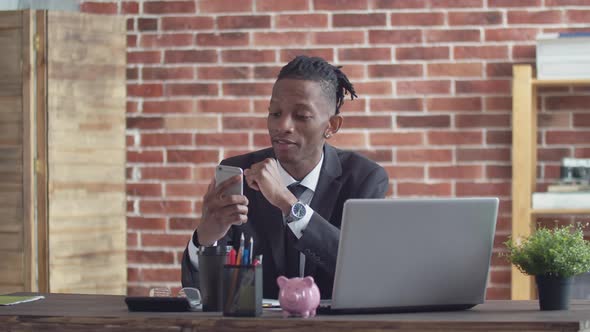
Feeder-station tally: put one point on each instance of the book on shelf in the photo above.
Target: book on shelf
(561, 200)
(568, 188)
(563, 56)
(16, 299)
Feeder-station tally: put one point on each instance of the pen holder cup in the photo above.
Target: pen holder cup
(211, 261)
(242, 290)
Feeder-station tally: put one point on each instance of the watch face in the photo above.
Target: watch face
(298, 210)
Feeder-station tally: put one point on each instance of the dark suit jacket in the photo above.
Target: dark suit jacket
(343, 175)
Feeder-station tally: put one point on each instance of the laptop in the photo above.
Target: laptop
(409, 255)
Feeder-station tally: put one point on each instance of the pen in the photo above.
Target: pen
(246, 257)
(240, 250)
(251, 250)
(232, 257)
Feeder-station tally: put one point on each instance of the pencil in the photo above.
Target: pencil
(251, 250)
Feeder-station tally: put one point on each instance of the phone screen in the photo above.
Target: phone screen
(223, 172)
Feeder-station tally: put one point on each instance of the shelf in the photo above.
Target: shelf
(559, 211)
(557, 83)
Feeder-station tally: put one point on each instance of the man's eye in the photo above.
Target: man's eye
(303, 116)
(274, 114)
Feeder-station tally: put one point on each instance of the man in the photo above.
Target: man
(296, 229)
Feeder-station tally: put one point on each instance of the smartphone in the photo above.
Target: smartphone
(224, 172)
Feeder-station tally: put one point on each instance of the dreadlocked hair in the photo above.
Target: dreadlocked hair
(333, 81)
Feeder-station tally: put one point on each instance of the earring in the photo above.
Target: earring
(326, 135)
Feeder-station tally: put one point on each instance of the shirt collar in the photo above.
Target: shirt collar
(310, 181)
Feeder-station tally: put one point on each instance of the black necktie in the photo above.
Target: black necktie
(292, 254)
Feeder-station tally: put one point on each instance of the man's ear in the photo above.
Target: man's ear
(334, 125)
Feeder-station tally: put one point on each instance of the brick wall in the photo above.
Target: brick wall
(435, 107)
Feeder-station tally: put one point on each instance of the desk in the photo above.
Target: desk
(72, 312)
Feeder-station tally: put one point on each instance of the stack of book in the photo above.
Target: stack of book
(573, 191)
(563, 55)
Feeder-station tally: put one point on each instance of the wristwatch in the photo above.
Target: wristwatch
(297, 212)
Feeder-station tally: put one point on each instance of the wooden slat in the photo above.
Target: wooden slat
(540, 212)
(10, 80)
(11, 268)
(10, 19)
(556, 83)
(86, 153)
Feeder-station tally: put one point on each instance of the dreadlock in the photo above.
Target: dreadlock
(333, 81)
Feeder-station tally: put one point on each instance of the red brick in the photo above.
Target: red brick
(417, 19)
(223, 106)
(246, 123)
(192, 156)
(223, 139)
(203, 173)
(336, 5)
(338, 37)
(582, 152)
(347, 140)
(510, 3)
(358, 105)
(217, 6)
(483, 189)
(423, 87)
(247, 89)
(165, 173)
(498, 171)
(482, 120)
(546, 120)
(481, 52)
(456, 3)
(552, 154)
(186, 189)
(165, 40)
(289, 54)
(192, 89)
(164, 240)
(166, 139)
(144, 90)
(487, 86)
(567, 137)
(131, 41)
(168, 106)
(454, 69)
(534, 17)
(167, 73)
(98, 7)
(262, 72)
(395, 70)
(454, 137)
(367, 121)
(129, 141)
(279, 38)
(397, 104)
(377, 155)
(149, 257)
(145, 157)
(396, 139)
(578, 16)
(498, 104)
(190, 56)
(561, 3)
(511, 34)
(129, 7)
(423, 121)
(131, 107)
(399, 4)
(483, 154)
(132, 238)
(582, 120)
(373, 88)
(183, 223)
(281, 5)
(169, 7)
(422, 53)
(503, 69)
(130, 206)
(223, 39)
(524, 52)
(248, 56)
(498, 136)
(437, 36)
(405, 172)
(244, 22)
(132, 74)
(455, 172)
(475, 18)
(423, 189)
(287, 21)
(223, 73)
(364, 54)
(424, 155)
(227, 153)
(147, 24)
(165, 207)
(395, 36)
(144, 57)
(144, 189)
(359, 20)
(144, 223)
(567, 102)
(187, 23)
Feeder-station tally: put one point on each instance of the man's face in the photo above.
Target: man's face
(298, 116)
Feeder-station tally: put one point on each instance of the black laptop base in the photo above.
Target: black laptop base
(327, 310)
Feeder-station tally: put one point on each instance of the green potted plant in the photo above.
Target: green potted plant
(553, 256)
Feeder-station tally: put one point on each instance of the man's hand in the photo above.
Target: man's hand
(220, 211)
(264, 177)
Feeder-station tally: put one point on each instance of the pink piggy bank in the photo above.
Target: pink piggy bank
(298, 296)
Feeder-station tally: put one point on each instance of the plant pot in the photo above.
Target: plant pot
(554, 292)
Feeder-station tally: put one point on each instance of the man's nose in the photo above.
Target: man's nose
(285, 123)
